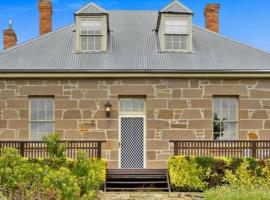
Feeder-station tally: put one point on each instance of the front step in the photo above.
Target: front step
(137, 180)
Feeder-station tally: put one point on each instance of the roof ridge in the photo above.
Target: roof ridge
(232, 40)
(36, 39)
(178, 3)
(91, 4)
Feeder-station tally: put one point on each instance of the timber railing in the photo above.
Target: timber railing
(38, 149)
(259, 149)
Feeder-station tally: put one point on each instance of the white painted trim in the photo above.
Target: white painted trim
(138, 75)
(144, 138)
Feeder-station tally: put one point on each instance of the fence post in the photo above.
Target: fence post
(99, 150)
(22, 149)
(254, 149)
(175, 148)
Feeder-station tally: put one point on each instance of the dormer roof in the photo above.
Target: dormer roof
(90, 9)
(176, 7)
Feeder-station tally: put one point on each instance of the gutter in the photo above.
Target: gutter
(138, 75)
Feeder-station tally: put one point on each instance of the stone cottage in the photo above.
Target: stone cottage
(136, 79)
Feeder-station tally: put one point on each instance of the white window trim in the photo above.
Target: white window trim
(162, 33)
(103, 35)
(237, 117)
(30, 121)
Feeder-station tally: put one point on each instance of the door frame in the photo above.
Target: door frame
(120, 138)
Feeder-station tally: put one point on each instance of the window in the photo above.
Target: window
(41, 117)
(132, 105)
(176, 34)
(90, 38)
(225, 116)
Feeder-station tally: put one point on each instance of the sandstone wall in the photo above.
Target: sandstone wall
(176, 109)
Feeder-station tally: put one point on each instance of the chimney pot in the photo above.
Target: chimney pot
(9, 36)
(211, 14)
(45, 16)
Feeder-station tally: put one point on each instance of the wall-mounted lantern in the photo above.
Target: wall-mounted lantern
(108, 108)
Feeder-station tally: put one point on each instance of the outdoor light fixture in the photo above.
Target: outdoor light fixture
(108, 107)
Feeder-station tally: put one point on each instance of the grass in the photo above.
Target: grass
(238, 193)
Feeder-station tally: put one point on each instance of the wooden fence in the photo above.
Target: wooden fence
(37, 149)
(211, 148)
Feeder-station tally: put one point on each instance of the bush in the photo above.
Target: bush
(186, 175)
(199, 173)
(30, 179)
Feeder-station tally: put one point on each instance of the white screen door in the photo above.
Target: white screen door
(132, 133)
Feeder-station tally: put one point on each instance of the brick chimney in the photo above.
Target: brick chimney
(211, 14)
(9, 37)
(45, 16)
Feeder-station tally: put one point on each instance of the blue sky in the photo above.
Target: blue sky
(247, 21)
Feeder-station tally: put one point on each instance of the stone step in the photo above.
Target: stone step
(150, 196)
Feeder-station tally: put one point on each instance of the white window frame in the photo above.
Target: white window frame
(177, 33)
(229, 121)
(127, 115)
(40, 121)
(94, 35)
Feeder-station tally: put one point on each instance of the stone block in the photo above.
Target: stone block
(41, 90)
(156, 103)
(66, 104)
(66, 124)
(88, 84)
(240, 90)
(17, 103)
(17, 124)
(250, 104)
(177, 103)
(72, 135)
(87, 104)
(259, 114)
(178, 135)
(96, 94)
(201, 103)
(191, 114)
(72, 114)
(192, 93)
(95, 135)
(112, 134)
(178, 83)
(259, 94)
(165, 114)
(157, 124)
(8, 134)
(107, 124)
(147, 90)
(7, 94)
(77, 94)
(10, 114)
(177, 93)
(251, 124)
(200, 124)
(157, 145)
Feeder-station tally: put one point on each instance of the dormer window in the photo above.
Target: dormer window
(91, 34)
(176, 34)
(174, 28)
(92, 27)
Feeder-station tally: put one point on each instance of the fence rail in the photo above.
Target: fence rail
(259, 149)
(37, 149)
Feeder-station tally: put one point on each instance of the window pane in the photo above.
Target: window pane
(225, 118)
(39, 130)
(131, 105)
(177, 26)
(90, 26)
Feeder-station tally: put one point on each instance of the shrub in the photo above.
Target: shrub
(29, 179)
(186, 175)
(198, 173)
(91, 173)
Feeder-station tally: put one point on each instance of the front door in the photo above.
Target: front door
(132, 134)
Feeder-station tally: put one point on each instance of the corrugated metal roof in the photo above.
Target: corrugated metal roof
(177, 7)
(133, 47)
(91, 8)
